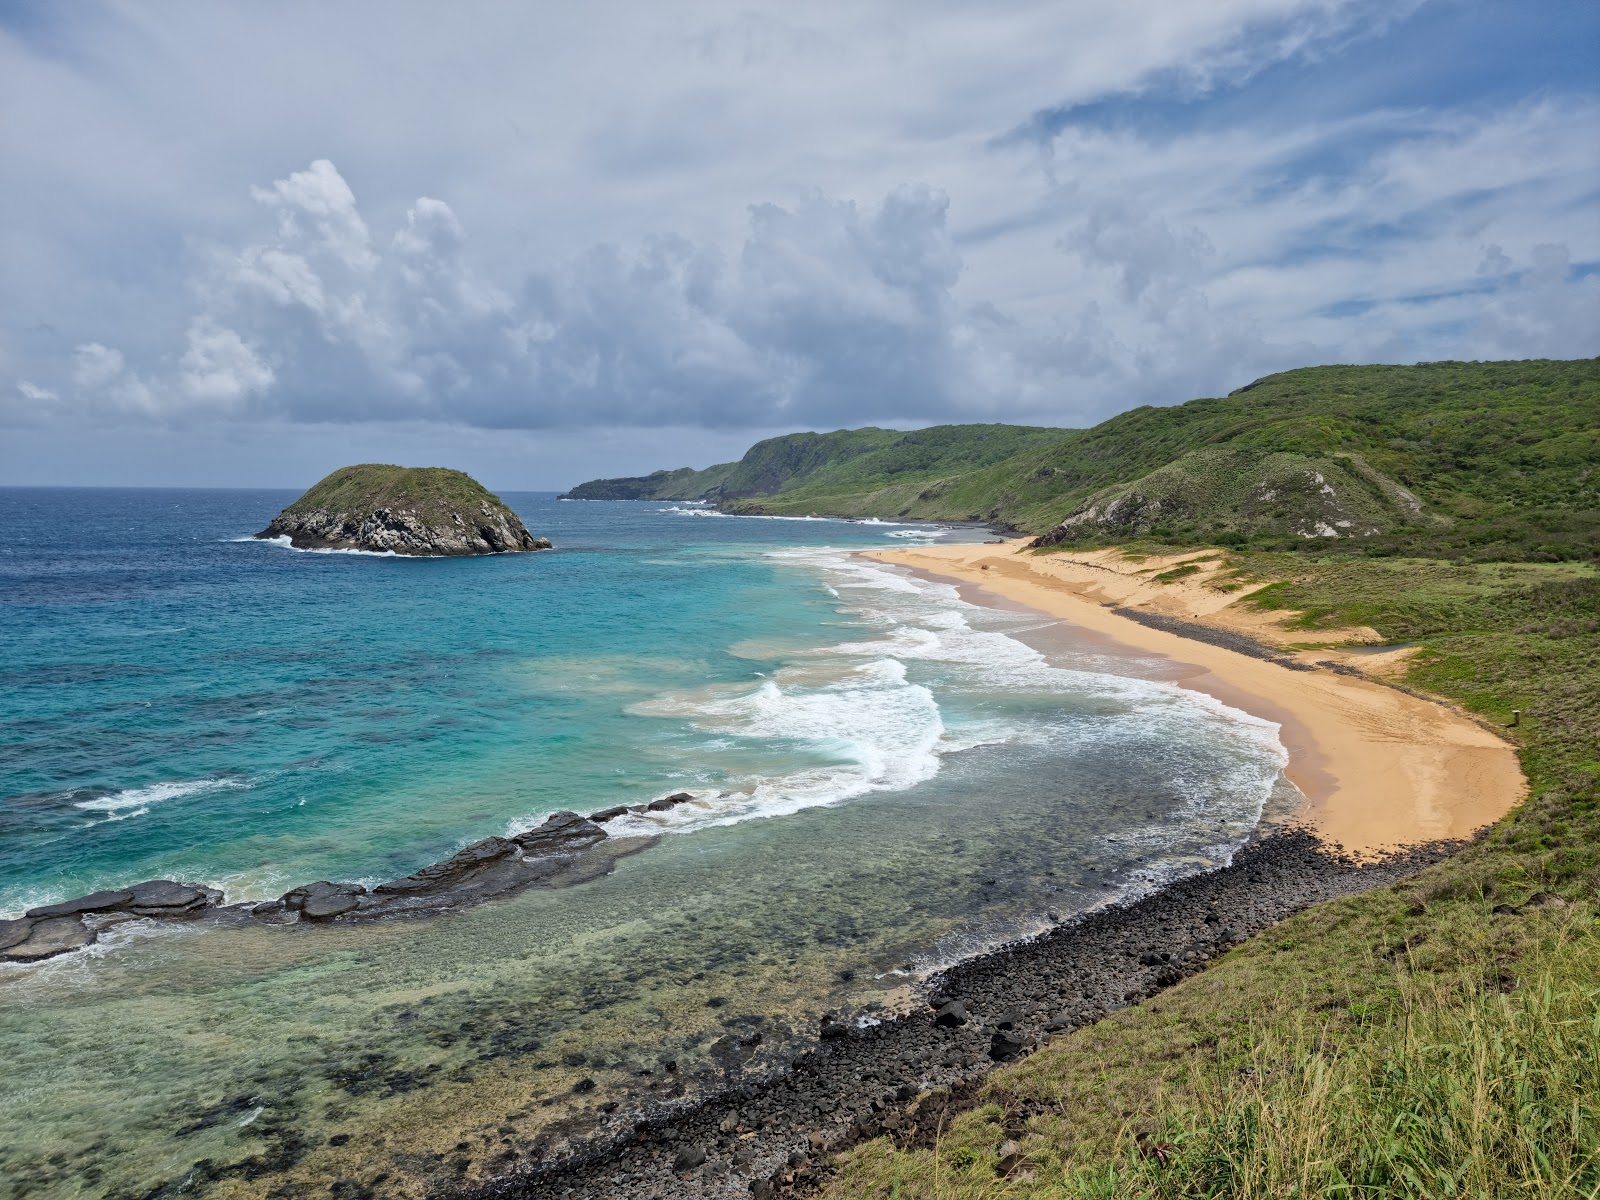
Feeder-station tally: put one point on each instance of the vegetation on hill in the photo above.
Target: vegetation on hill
(1240, 491)
(1439, 1038)
(433, 493)
(1503, 456)
(843, 462)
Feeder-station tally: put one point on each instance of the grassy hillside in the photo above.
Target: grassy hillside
(1237, 493)
(844, 462)
(433, 493)
(1504, 457)
(1439, 1038)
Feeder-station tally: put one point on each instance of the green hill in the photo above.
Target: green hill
(843, 463)
(1491, 460)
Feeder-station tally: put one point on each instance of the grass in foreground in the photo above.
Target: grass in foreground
(1436, 1039)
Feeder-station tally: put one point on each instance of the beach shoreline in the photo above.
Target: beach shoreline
(776, 1134)
(1380, 768)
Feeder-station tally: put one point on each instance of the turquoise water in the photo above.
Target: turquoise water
(887, 778)
(182, 702)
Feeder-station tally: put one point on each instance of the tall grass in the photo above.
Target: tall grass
(1470, 1091)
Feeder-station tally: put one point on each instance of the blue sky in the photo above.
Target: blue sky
(246, 243)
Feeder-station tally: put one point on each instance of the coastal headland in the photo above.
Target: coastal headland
(1379, 767)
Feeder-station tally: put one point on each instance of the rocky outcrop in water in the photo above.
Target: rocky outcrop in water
(421, 511)
(53, 929)
(566, 849)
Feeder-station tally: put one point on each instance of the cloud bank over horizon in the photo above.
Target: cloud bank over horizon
(547, 226)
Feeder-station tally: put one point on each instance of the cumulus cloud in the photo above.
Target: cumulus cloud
(219, 369)
(775, 220)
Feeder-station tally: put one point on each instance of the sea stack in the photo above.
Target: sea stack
(424, 511)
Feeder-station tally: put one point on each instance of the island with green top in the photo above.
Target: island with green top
(420, 511)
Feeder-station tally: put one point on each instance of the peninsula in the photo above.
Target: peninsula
(420, 511)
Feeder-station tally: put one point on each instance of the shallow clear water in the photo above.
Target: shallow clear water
(888, 778)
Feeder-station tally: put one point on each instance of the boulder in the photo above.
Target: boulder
(609, 814)
(93, 902)
(950, 1015)
(456, 869)
(324, 906)
(1005, 1044)
(169, 898)
(689, 1158)
(322, 901)
(50, 936)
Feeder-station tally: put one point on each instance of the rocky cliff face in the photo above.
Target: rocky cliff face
(426, 511)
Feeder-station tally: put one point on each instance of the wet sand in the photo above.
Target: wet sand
(1379, 768)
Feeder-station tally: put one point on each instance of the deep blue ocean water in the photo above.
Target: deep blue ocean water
(886, 778)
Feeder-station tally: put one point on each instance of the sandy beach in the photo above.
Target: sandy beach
(1379, 768)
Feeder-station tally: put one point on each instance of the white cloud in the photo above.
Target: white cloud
(94, 365)
(219, 369)
(760, 217)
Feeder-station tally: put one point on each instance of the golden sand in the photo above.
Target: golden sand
(1379, 768)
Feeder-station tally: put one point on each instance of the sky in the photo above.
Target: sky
(245, 243)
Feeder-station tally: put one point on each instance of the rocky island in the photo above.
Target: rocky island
(423, 511)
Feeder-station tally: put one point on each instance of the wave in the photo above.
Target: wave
(869, 730)
(283, 541)
(914, 529)
(136, 802)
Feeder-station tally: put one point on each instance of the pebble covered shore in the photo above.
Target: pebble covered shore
(904, 1076)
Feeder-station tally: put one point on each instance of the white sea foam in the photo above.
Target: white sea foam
(681, 510)
(867, 730)
(852, 713)
(136, 802)
(284, 541)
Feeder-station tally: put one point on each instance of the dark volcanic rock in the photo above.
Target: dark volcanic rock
(951, 1015)
(169, 898)
(561, 833)
(610, 814)
(1005, 1044)
(93, 902)
(452, 871)
(908, 1076)
(12, 932)
(689, 1158)
(321, 900)
(50, 936)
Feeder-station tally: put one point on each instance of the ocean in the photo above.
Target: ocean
(887, 778)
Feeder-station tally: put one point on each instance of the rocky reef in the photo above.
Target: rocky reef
(423, 511)
(566, 849)
(54, 929)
